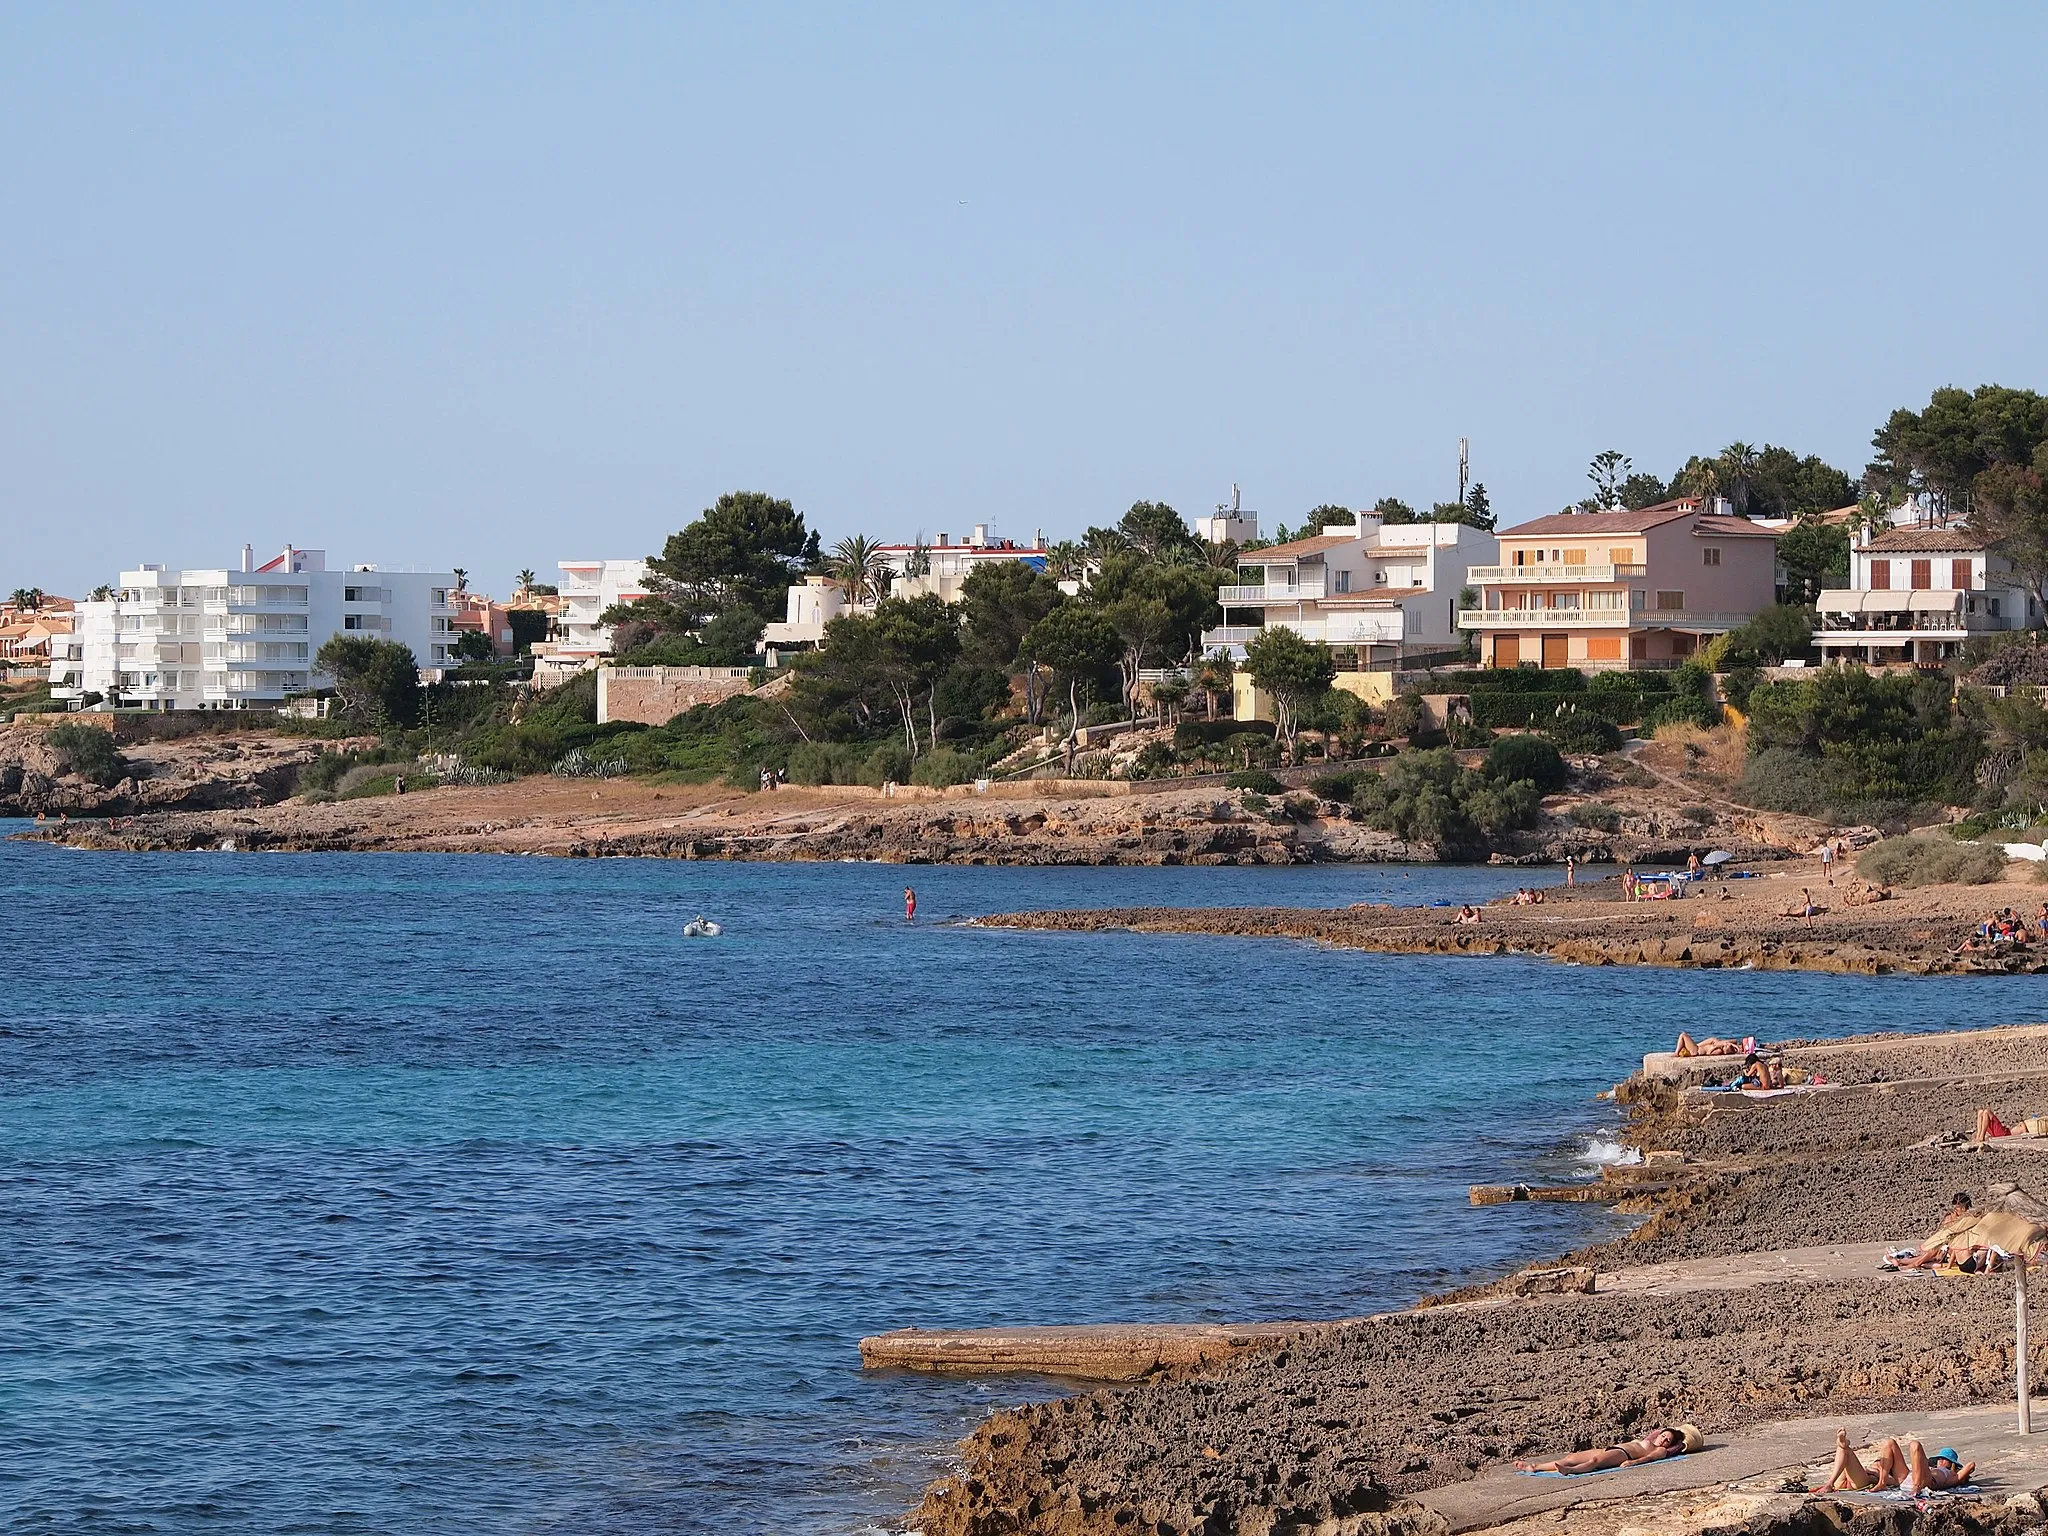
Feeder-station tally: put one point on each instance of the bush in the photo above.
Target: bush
(1926, 860)
(888, 763)
(87, 751)
(1739, 684)
(1103, 713)
(1468, 737)
(1529, 758)
(1583, 731)
(1601, 818)
(943, 766)
(824, 762)
(1335, 786)
(1780, 779)
(969, 692)
(1255, 779)
(1698, 815)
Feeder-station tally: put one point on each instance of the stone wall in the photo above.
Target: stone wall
(656, 695)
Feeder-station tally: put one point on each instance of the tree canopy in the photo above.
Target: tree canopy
(376, 682)
(1291, 671)
(741, 551)
(1941, 450)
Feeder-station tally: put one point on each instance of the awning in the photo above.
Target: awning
(1936, 602)
(1842, 600)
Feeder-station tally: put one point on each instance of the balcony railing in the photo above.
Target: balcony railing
(1341, 629)
(1883, 624)
(1598, 618)
(1272, 592)
(1481, 575)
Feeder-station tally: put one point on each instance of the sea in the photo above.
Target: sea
(396, 1193)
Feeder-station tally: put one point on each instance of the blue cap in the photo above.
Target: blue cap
(1948, 1453)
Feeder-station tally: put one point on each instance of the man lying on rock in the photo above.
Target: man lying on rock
(1657, 1445)
(1895, 1466)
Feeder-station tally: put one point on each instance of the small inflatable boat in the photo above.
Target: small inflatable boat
(701, 928)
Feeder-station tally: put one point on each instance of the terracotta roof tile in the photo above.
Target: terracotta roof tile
(1904, 541)
(1298, 548)
(1581, 523)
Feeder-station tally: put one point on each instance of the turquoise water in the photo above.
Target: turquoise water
(418, 1193)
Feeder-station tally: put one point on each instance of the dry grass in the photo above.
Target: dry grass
(1692, 752)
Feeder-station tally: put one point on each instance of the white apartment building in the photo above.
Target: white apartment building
(588, 588)
(1231, 524)
(244, 639)
(1376, 592)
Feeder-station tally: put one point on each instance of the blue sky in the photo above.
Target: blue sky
(506, 284)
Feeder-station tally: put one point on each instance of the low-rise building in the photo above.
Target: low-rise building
(1620, 589)
(587, 589)
(1231, 524)
(220, 638)
(1916, 594)
(938, 569)
(1375, 594)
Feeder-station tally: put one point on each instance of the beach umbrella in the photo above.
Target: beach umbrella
(1718, 856)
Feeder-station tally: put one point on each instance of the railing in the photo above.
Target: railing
(1272, 592)
(1599, 618)
(1950, 622)
(1480, 574)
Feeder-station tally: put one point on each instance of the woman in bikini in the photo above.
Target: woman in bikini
(1657, 1445)
(1906, 1467)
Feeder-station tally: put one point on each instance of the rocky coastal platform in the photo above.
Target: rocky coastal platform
(1747, 1301)
(1757, 923)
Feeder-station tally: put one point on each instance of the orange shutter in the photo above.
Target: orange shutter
(1880, 575)
(1603, 647)
(1507, 650)
(1923, 575)
(1959, 575)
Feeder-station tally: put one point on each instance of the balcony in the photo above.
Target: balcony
(1305, 590)
(1482, 575)
(1599, 618)
(1335, 629)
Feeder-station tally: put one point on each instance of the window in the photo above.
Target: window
(1923, 575)
(1635, 597)
(1994, 608)
(1710, 556)
(1880, 575)
(1670, 602)
(1959, 575)
(1521, 557)
(1343, 581)
(1575, 557)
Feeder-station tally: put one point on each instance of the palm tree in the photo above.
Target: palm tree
(526, 580)
(858, 565)
(1066, 561)
(1101, 543)
(20, 600)
(1738, 465)
(461, 579)
(101, 593)
(1701, 478)
(1214, 676)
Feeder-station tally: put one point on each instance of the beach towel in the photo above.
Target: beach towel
(1594, 1473)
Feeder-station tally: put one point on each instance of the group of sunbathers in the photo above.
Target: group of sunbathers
(2005, 929)
(1902, 1464)
(1972, 1242)
(1527, 896)
(1762, 1067)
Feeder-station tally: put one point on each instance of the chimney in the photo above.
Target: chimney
(979, 538)
(1038, 539)
(942, 541)
(290, 559)
(248, 558)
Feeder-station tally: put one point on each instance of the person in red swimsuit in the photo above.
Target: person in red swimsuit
(909, 905)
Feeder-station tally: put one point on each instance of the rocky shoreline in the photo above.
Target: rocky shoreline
(1377, 1426)
(1753, 923)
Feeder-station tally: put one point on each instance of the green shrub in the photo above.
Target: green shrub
(1925, 860)
(1780, 779)
(1739, 684)
(825, 762)
(1530, 758)
(888, 763)
(1698, 815)
(87, 751)
(1583, 731)
(1336, 786)
(1601, 818)
(1104, 713)
(943, 766)
(1254, 802)
(1255, 779)
(325, 771)
(1468, 737)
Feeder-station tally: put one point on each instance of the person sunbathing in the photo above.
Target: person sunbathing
(1758, 1073)
(1657, 1445)
(1466, 914)
(1708, 1045)
(1895, 1466)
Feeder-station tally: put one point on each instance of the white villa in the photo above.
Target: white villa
(588, 588)
(244, 639)
(1379, 593)
(1916, 594)
(943, 568)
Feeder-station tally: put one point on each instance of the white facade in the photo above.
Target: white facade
(219, 638)
(1385, 591)
(588, 588)
(1231, 524)
(943, 569)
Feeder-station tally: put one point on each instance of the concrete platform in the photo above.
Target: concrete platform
(1087, 1351)
(1755, 1461)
